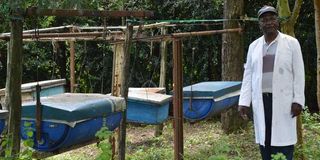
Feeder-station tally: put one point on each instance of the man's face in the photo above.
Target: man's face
(269, 23)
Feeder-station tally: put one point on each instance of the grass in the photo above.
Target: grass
(203, 140)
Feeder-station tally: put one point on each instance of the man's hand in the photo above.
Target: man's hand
(243, 110)
(295, 109)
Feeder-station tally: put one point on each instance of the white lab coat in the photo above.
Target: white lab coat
(287, 87)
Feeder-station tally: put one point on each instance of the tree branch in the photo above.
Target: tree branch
(296, 10)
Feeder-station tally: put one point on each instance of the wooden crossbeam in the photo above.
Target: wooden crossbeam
(61, 35)
(116, 36)
(185, 34)
(41, 30)
(109, 39)
(145, 26)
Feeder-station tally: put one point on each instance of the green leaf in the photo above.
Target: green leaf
(27, 124)
(29, 134)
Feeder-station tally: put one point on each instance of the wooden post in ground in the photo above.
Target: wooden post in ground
(118, 56)
(116, 69)
(317, 31)
(72, 66)
(177, 99)
(163, 68)
(124, 90)
(13, 82)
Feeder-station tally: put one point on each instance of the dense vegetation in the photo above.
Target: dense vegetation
(94, 59)
(94, 65)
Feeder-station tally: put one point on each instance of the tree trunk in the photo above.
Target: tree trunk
(163, 50)
(231, 59)
(317, 25)
(288, 28)
(59, 51)
(13, 83)
(163, 68)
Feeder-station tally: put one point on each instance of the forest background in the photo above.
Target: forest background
(49, 60)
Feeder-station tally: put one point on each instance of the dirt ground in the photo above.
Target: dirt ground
(142, 135)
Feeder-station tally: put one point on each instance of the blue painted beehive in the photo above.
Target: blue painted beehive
(3, 117)
(28, 92)
(71, 118)
(205, 99)
(48, 88)
(146, 106)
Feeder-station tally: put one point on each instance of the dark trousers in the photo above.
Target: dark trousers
(267, 150)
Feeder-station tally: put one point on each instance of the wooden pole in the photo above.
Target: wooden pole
(117, 36)
(163, 68)
(13, 83)
(79, 28)
(72, 66)
(147, 26)
(124, 90)
(118, 55)
(317, 30)
(187, 34)
(38, 113)
(43, 30)
(63, 35)
(205, 33)
(177, 100)
(109, 39)
(34, 11)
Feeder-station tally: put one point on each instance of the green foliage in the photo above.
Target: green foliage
(221, 148)
(103, 135)
(311, 135)
(219, 157)
(4, 16)
(26, 153)
(154, 153)
(5, 142)
(116, 4)
(94, 65)
(62, 4)
(205, 66)
(278, 156)
(204, 140)
(311, 120)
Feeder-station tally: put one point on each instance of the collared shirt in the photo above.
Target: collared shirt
(269, 54)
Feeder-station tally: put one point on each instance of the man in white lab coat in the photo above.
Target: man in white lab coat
(273, 82)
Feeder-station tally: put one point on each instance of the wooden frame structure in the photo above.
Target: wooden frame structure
(13, 83)
(122, 34)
